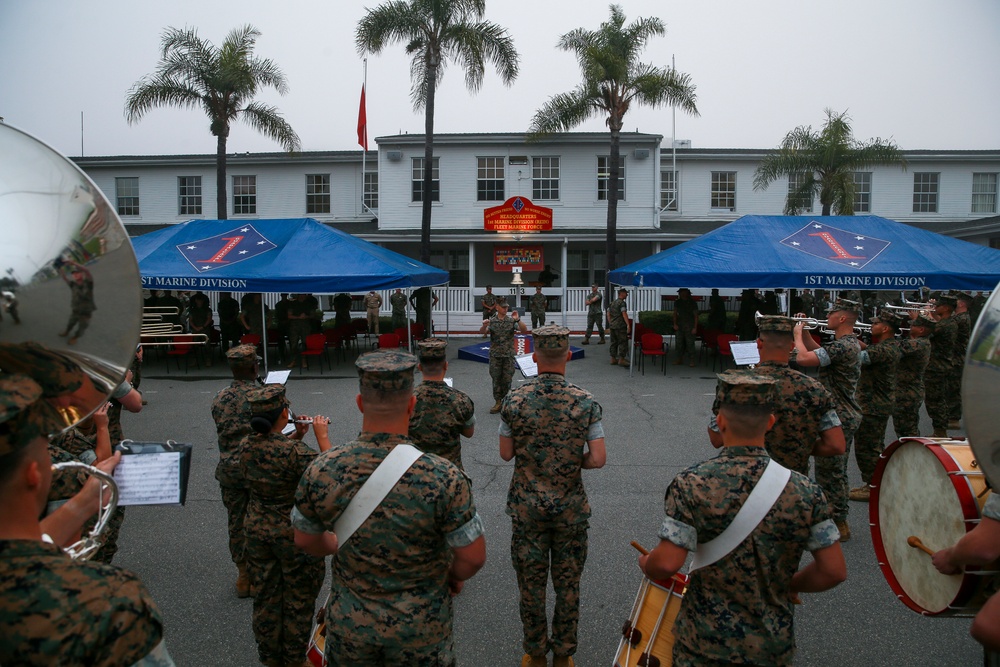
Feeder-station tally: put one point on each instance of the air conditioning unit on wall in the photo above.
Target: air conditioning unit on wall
(394, 156)
(641, 153)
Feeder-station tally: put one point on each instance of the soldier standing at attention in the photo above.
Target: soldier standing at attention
(806, 422)
(916, 353)
(876, 396)
(285, 581)
(685, 325)
(228, 309)
(82, 306)
(442, 414)
(502, 329)
(423, 300)
(398, 303)
(738, 610)
(620, 325)
(595, 315)
(373, 303)
(299, 315)
(937, 377)
(342, 309)
(489, 302)
(963, 324)
(231, 412)
(394, 577)
(552, 429)
(537, 305)
(53, 609)
(839, 370)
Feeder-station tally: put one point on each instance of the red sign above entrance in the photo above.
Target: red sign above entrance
(517, 215)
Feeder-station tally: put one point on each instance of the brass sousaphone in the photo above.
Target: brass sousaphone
(72, 297)
(981, 390)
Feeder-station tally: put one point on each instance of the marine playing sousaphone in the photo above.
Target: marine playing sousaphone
(65, 258)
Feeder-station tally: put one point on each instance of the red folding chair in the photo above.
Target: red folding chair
(724, 350)
(315, 347)
(653, 345)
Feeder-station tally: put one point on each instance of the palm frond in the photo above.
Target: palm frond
(562, 113)
(268, 121)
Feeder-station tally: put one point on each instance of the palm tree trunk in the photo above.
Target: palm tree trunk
(612, 235)
(220, 176)
(425, 210)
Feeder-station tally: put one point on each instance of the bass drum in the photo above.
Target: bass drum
(71, 296)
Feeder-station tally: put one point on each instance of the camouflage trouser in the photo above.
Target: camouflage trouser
(110, 538)
(81, 320)
(398, 321)
(502, 372)
(285, 582)
(346, 651)
(831, 473)
(231, 333)
(297, 332)
(869, 441)
(619, 344)
(536, 551)
(537, 318)
(936, 390)
(906, 417)
(685, 342)
(235, 500)
(595, 320)
(955, 394)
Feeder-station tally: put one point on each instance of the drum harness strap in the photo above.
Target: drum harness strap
(760, 501)
(374, 490)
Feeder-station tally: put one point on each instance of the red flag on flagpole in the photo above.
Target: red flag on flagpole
(362, 122)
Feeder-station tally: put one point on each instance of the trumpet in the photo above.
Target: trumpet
(85, 547)
(807, 322)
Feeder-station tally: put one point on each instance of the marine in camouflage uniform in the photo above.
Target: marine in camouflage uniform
(82, 305)
(839, 370)
(805, 412)
(941, 366)
(619, 324)
(915, 354)
(595, 315)
(502, 329)
(552, 429)
(685, 325)
(489, 303)
(442, 414)
(738, 609)
(373, 303)
(299, 326)
(398, 303)
(963, 324)
(537, 305)
(390, 602)
(876, 396)
(285, 580)
(231, 412)
(228, 309)
(55, 610)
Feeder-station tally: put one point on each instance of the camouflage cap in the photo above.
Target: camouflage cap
(963, 296)
(242, 355)
(947, 300)
(924, 321)
(846, 306)
(743, 388)
(890, 319)
(23, 415)
(776, 323)
(432, 349)
(56, 374)
(502, 302)
(386, 370)
(551, 337)
(267, 399)
(622, 290)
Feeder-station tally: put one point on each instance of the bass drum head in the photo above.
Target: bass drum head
(914, 495)
(71, 295)
(981, 389)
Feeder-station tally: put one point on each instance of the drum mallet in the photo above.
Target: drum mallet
(915, 542)
(641, 549)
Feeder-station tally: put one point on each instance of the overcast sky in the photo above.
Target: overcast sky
(921, 72)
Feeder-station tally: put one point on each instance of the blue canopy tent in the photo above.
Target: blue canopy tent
(831, 253)
(285, 255)
(289, 255)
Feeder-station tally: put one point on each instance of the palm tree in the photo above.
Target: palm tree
(222, 80)
(434, 31)
(824, 163)
(613, 79)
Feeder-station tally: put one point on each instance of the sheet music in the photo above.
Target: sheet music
(527, 365)
(149, 479)
(277, 377)
(745, 352)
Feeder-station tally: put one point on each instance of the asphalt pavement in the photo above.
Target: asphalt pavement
(655, 427)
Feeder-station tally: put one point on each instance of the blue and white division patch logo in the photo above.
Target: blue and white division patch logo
(836, 245)
(226, 249)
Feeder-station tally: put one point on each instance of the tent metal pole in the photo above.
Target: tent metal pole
(263, 331)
